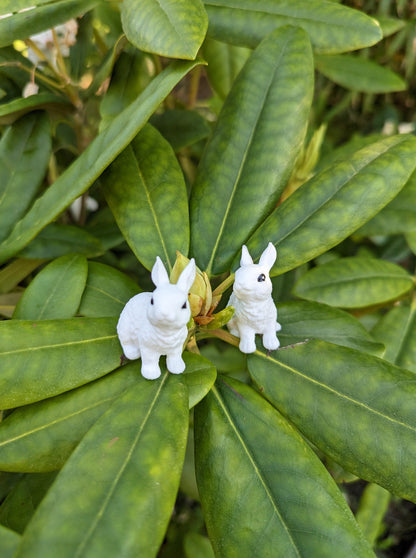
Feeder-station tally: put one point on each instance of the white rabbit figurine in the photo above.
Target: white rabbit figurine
(154, 324)
(255, 311)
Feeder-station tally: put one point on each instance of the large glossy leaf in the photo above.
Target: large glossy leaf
(174, 29)
(23, 25)
(302, 321)
(57, 240)
(267, 480)
(146, 192)
(106, 292)
(91, 163)
(41, 437)
(335, 202)
(398, 216)
(128, 79)
(331, 27)
(397, 330)
(45, 358)
(181, 127)
(224, 63)
(354, 282)
(12, 274)
(56, 291)
(9, 541)
(253, 149)
(356, 408)
(9, 6)
(359, 74)
(18, 508)
(121, 480)
(25, 149)
(11, 111)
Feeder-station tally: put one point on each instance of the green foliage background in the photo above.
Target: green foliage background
(199, 127)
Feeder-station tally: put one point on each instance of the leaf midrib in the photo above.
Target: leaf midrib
(58, 345)
(336, 393)
(331, 195)
(254, 465)
(244, 158)
(267, 12)
(113, 486)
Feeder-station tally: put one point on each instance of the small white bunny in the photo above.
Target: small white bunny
(255, 311)
(154, 324)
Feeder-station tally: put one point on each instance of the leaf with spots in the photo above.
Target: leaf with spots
(356, 408)
(253, 149)
(146, 192)
(272, 494)
(121, 480)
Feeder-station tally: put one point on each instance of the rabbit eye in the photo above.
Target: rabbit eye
(151, 301)
(184, 305)
(261, 278)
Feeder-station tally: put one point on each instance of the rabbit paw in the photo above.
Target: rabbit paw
(247, 345)
(278, 326)
(150, 371)
(132, 352)
(175, 364)
(271, 342)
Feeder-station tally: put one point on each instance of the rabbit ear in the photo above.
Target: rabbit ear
(268, 257)
(187, 277)
(246, 259)
(159, 273)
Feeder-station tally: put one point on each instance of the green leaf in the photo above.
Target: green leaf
(181, 127)
(146, 190)
(12, 274)
(303, 321)
(8, 303)
(56, 291)
(200, 375)
(11, 111)
(129, 78)
(25, 149)
(17, 509)
(90, 164)
(197, 546)
(358, 409)
(267, 480)
(374, 504)
(354, 282)
(11, 6)
(106, 292)
(331, 27)
(57, 240)
(173, 29)
(9, 541)
(25, 24)
(397, 330)
(40, 437)
(224, 63)
(53, 356)
(399, 216)
(121, 507)
(359, 74)
(335, 202)
(256, 141)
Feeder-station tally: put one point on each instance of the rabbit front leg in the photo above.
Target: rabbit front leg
(247, 339)
(150, 364)
(270, 340)
(175, 363)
